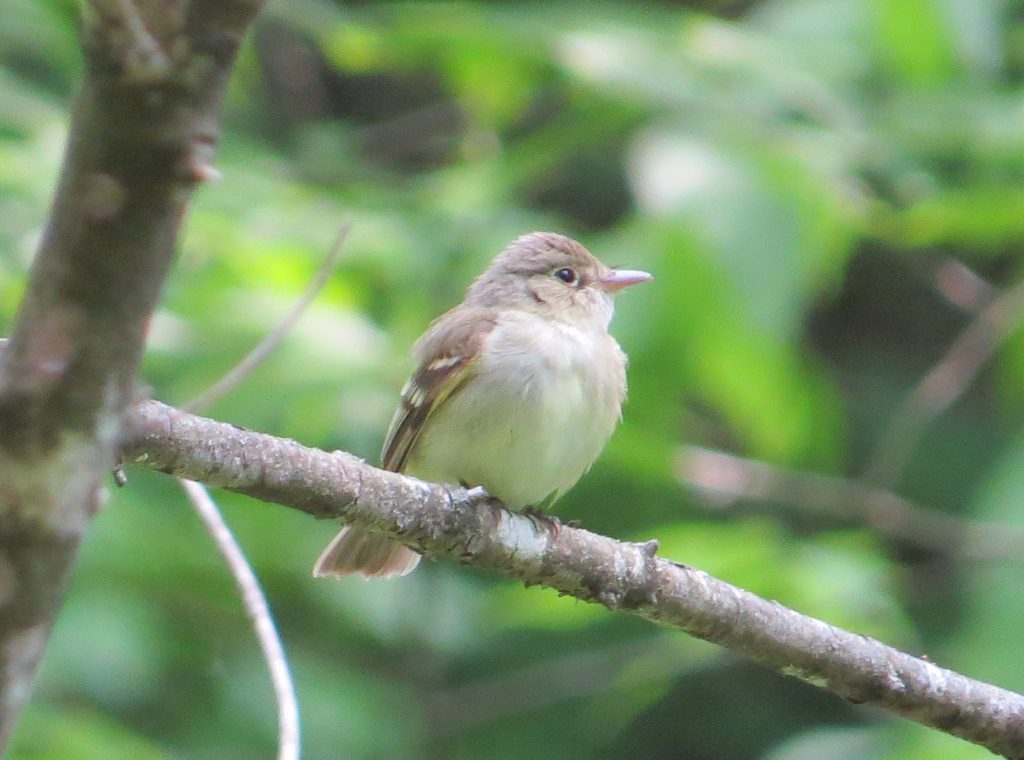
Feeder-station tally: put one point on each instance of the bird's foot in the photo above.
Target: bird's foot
(539, 517)
(475, 492)
(649, 548)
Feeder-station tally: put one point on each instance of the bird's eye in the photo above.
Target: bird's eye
(566, 275)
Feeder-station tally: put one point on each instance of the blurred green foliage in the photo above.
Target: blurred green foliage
(804, 178)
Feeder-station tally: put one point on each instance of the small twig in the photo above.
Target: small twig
(962, 286)
(252, 596)
(257, 609)
(728, 477)
(265, 347)
(943, 385)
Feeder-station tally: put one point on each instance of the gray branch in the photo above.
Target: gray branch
(142, 136)
(447, 521)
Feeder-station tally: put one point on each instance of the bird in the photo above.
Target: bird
(517, 390)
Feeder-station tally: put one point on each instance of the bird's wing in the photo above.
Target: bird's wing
(448, 354)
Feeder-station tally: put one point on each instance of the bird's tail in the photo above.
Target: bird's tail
(369, 554)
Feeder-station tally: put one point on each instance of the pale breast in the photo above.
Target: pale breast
(534, 419)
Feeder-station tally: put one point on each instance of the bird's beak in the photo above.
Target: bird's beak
(616, 279)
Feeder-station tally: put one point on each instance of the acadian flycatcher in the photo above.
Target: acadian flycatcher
(518, 389)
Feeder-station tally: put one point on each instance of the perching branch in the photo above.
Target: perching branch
(141, 139)
(441, 520)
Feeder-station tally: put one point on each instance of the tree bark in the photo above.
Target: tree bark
(142, 135)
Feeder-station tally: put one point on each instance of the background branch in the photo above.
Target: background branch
(141, 138)
(553, 680)
(723, 476)
(440, 520)
(944, 383)
(720, 475)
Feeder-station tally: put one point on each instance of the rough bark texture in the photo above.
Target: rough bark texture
(440, 520)
(141, 138)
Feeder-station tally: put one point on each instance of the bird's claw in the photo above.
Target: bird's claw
(539, 517)
(649, 548)
(476, 492)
